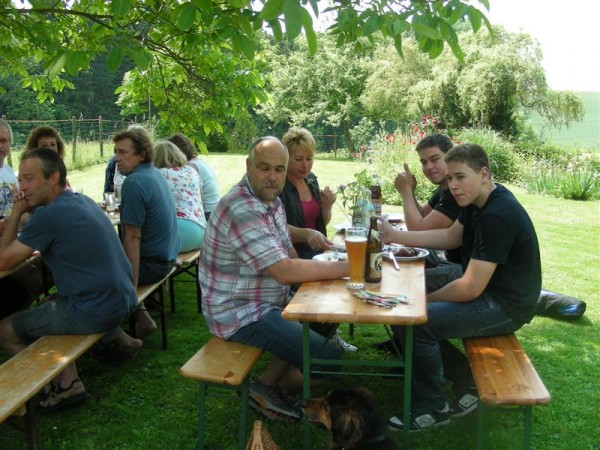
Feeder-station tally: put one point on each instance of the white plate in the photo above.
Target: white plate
(422, 254)
(331, 256)
(342, 226)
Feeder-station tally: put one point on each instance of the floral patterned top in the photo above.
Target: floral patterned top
(185, 187)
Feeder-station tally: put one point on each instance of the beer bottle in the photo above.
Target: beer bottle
(376, 195)
(373, 255)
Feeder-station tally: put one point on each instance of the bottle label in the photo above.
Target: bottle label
(376, 198)
(374, 266)
(376, 206)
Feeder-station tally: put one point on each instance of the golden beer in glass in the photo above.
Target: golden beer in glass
(356, 247)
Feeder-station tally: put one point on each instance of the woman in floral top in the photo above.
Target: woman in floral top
(184, 182)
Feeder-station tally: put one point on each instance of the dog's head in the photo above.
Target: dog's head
(351, 416)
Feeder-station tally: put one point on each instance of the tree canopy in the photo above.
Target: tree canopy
(198, 61)
(324, 88)
(501, 74)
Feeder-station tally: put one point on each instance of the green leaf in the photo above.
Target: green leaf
(120, 7)
(186, 16)
(272, 10)
(75, 61)
(456, 50)
(398, 44)
(371, 25)
(115, 57)
(140, 56)
(202, 147)
(458, 12)
(292, 14)
(475, 18)
(243, 45)
(311, 37)
(448, 32)
(400, 26)
(436, 49)
(57, 65)
(207, 13)
(425, 44)
(426, 31)
(276, 27)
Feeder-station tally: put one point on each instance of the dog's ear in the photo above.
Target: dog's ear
(347, 421)
(346, 429)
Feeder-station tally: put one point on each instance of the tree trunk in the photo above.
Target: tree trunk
(347, 137)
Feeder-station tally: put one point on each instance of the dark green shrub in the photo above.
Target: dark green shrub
(504, 162)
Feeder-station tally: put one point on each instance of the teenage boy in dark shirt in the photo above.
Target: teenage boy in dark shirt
(493, 292)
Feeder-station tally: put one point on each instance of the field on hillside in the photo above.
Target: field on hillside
(585, 134)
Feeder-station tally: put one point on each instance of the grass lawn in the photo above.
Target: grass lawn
(145, 404)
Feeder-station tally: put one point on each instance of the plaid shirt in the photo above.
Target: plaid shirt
(244, 237)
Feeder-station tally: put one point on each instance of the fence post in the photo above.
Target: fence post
(100, 136)
(8, 158)
(74, 134)
(334, 146)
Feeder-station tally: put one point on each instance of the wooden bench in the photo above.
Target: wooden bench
(505, 377)
(27, 372)
(189, 265)
(222, 364)
(143, 292)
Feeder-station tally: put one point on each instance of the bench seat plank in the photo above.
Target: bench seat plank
(27, 372)
(222, 362)
(503, 372)
(190, 257)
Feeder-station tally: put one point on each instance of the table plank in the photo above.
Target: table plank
(330, 300)
(32, 259)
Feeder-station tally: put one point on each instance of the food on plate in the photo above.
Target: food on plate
(405, 251)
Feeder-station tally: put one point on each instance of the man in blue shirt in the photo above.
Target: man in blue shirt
(94, 295)
(148, 216)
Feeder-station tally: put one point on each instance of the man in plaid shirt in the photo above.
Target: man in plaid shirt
(247, 265)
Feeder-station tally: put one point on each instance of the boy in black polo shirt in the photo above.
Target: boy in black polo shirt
(497, 290)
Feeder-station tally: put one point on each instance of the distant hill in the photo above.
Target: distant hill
(581, 134)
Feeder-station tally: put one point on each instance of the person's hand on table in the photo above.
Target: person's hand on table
(317, 241)
(328, 197)
(405, 181)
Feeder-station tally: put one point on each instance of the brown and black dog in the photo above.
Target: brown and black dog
(353, 419)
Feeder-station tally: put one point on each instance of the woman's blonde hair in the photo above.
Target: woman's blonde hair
(167, 154)
(299, 137)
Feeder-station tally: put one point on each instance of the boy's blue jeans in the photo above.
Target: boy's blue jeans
(448, 320)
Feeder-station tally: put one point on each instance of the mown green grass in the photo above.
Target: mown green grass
(146, 404)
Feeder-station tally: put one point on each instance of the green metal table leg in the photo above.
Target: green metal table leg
(306, 357)
(480, 420)
(528, 424)
(244, 413)
(201, 414)
(408, 353)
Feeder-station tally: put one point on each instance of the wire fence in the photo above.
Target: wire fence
(87, 141)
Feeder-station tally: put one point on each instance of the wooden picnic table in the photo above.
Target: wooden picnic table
(331, 302)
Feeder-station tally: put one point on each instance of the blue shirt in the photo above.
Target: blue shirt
(147, 203)
(80, 246)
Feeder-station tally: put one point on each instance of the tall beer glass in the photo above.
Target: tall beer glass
(356, 246)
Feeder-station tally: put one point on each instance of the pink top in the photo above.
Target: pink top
(311, 213)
